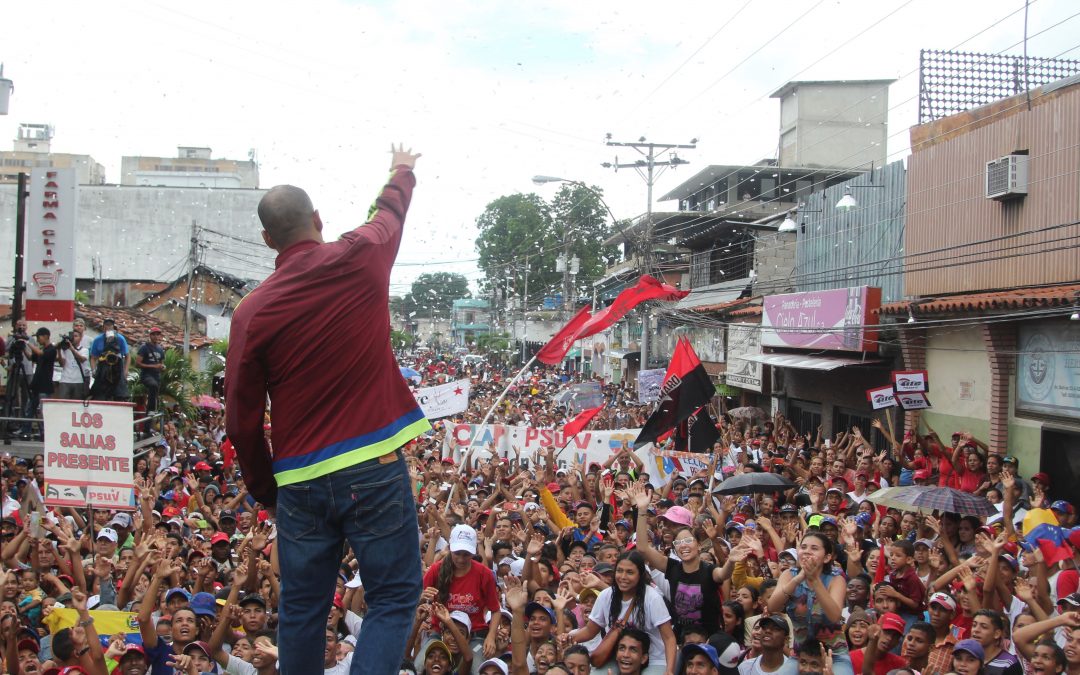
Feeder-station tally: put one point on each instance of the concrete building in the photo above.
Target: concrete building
(33, 148)
(214, 295)
(130, 234)
(469, 319)
(992, 277)
(723, 241)
(833, 123)
(193, 167)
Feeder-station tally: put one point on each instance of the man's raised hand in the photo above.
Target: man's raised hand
(402, 157)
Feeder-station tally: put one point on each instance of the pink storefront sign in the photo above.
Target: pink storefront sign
(839, 319)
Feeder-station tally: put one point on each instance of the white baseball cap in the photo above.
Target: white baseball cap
(498, 663)
(463, 538)
(463, 619)
(108, 533)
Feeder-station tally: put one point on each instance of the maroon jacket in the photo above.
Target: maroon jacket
(315, 337)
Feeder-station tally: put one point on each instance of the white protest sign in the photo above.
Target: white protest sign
(909, 381)
(88, 454)
(444, 399)
(588, 446)
(912, 401)
(881, 397)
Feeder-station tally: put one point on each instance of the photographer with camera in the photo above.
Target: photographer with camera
(108, 360)
(150, 360)
(44, 355)
(75, 374)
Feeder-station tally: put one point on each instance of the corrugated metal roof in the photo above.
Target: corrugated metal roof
(840, 249)
(1021, 298)
(714, 294)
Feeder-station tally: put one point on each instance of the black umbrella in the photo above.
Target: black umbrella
(750, 483)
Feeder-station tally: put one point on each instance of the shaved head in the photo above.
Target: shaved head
(288, 216)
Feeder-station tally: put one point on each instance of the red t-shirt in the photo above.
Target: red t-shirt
(473, 593)
(967, 481)
(884, 663)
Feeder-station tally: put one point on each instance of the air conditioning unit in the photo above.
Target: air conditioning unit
(1007, 177)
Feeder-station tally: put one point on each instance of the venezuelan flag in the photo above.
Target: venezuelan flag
(106, 622)
(1051, 541)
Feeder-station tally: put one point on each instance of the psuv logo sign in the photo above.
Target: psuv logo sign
(881, 397)
(910, 381)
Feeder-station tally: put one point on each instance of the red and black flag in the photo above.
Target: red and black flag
(697, 433)
(686, 389)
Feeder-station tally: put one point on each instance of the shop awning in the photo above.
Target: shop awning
(573, 354)
(808, 362)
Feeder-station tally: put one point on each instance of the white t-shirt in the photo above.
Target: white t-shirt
(656, 614)
(343, 666)
(239, 667)
(72, 371)
(753, 667)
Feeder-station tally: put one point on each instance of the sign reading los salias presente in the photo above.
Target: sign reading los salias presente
(88, 454)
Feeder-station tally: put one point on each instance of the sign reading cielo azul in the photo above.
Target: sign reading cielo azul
(840, 319)
(50, 245)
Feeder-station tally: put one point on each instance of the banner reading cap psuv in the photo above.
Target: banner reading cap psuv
(88, 454)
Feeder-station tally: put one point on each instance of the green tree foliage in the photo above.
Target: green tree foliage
(515, 229)
(401, 340)
(580, 213)
(435, 292)
(519, 227)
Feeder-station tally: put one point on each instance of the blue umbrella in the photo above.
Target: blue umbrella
(410, 374)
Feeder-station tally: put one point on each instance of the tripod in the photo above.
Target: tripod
(17, 391)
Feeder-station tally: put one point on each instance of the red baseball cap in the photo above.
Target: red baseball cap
(339, 602)
(219, 537)
(1042, 477)
(554, 487)
(202, 466)
(891, 621)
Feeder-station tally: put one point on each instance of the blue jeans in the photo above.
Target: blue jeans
(370, 505)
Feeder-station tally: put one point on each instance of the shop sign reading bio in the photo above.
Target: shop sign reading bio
(88, 454)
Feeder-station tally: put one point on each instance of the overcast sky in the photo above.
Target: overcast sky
(491, 92)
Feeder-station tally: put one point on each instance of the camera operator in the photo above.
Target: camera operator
(108, 360)
(75, 374)
(44, 355)
(150, 361)
(18, 353)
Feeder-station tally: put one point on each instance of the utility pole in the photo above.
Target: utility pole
(525, 310)
(647, 169)
(20, 248)
(193, 261)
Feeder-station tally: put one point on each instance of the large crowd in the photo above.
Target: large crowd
(596, 567)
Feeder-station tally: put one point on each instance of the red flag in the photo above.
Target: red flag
(647, 288)
(556, 349)
(687, 387)
(574, 426)
(228, 453)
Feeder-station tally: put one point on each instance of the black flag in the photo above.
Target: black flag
(686, 388)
